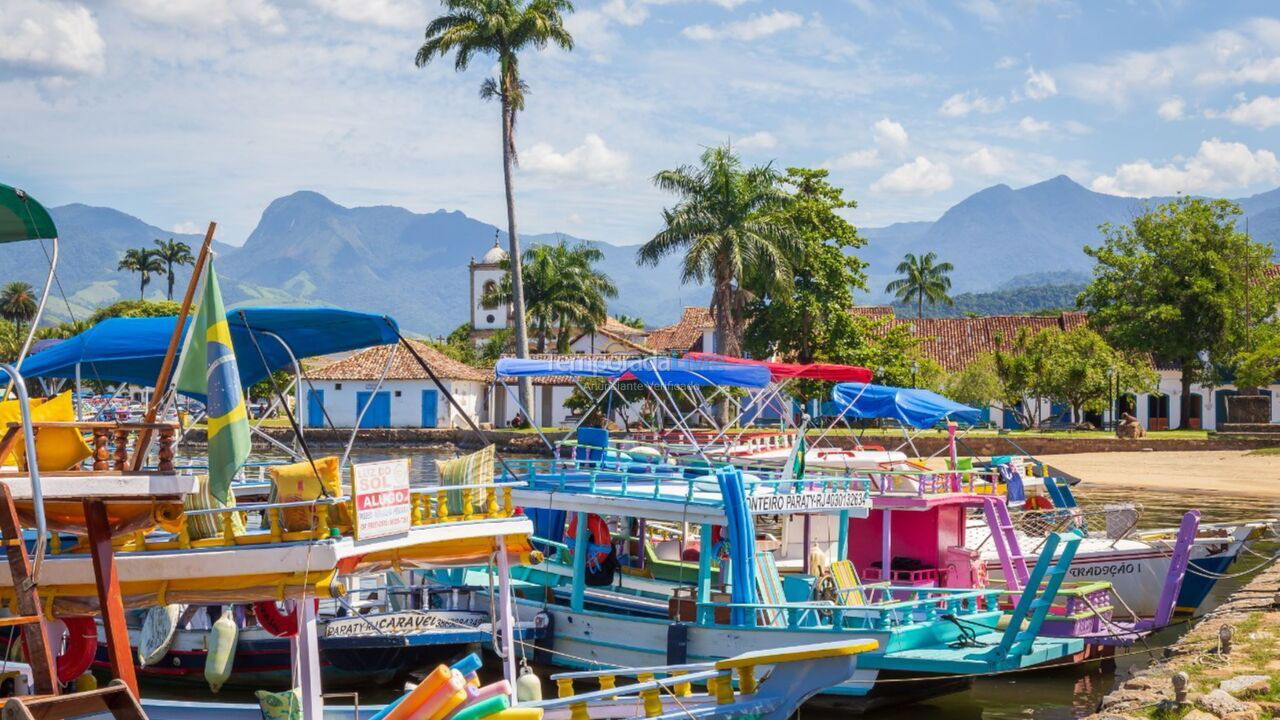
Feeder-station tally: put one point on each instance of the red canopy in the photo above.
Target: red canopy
(787, 371)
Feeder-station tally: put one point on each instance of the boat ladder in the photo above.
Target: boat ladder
(46, 703)
(1012, 561)
(1037, 597)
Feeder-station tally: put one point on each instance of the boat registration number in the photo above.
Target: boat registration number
(808, 501)
(402, 623)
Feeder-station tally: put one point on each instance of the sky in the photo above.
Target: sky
(182, 111)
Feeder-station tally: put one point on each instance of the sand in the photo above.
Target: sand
(1227, 471)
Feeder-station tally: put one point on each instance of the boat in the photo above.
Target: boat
(761, 608)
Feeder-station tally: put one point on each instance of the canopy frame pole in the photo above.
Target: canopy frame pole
(774, 392)
(594, 405)
(275, 403)
(33, 468)
(40, 304)
(529, 418)
(391, 356)
(297, 379)
(79, 410)
(688, 433)
(886, 546)
(297, 456)
(507, 614)
(143, 443)
(110, 400)
(840, 415)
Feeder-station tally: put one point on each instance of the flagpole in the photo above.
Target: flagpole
(166, 367)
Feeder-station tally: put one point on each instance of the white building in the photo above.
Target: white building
(406, 398)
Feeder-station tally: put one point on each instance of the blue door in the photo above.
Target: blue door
(315, 408)
(430, 402)
(379, 413)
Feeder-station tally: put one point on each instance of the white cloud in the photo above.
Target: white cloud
(592, 160)
(1075, 127)
(387, 13)
(187, 227)
(1261, 112)
(758, 141)
(1174, 108)
(753, 28)
(1032, 127)
(962, 104)
(984, 162)
(888, 132)
(869, 157)
(1039, 85)
(1247, 53)
(918, 176)
(1006, 62)
(208, 13)
(985, 10)
(1216, 167)
(50, 38)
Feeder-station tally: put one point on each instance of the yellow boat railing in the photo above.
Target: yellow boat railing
(330, 518)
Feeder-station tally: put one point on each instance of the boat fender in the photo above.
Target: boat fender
(275, 621)
(601, 541)
(81, 646)
(528, 684)
(221, 654)
(158, 631)
(85, 683)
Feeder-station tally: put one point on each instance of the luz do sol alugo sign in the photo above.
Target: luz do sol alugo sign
(381, 492)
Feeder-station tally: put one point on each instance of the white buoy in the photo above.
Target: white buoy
(528, 684)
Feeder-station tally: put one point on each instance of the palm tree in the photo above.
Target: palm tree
(173, 252)
(725, 223)
(631, 321)
(563, 291)
(143, 261)
(501, 28)
(18, 304)
(922, 280)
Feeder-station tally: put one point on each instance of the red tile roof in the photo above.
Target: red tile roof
(956, 342)
(684, 335)
(369, 364)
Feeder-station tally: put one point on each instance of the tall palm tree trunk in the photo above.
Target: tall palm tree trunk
(517, 272)
(170, 282)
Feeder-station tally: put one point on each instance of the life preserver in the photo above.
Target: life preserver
(276, 622)
(600, 543)
(82, 645)
(1038, 502)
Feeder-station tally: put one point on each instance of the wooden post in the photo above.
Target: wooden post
(166, 367)
(110, 601)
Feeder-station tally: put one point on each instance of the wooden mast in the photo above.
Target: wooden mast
(166, 367)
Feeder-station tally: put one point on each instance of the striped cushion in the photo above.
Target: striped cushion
(205, 525)
(473, 469)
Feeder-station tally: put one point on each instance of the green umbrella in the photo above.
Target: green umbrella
(22, 217)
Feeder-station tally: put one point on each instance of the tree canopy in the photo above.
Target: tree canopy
(1183, 283)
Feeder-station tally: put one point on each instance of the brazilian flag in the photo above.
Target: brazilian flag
(209, 368)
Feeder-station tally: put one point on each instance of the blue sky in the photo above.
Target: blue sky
(180, 111)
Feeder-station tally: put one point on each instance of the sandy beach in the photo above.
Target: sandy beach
(1227, 471)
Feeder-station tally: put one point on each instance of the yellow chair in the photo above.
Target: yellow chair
(849, 589)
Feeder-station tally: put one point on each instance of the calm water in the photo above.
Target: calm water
(1045, 695)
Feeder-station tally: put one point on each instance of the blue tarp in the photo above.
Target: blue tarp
(130, 350)
(916, 408)
(650, 371)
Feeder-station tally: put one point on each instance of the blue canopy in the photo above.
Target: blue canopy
(130, 350)
(917, 408)
(650, 371)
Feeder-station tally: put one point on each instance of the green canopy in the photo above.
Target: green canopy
(22, 218)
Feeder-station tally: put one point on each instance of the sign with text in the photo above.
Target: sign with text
(381, 492)
(809, 501)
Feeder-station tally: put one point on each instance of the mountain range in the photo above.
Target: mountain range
(307, 249)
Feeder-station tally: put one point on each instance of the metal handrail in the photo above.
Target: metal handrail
(33, 469)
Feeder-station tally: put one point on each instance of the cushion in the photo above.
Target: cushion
(10, 412)
(299, 483)
(285, 705)
(473, 469)
(200, 527)
(56, 449)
